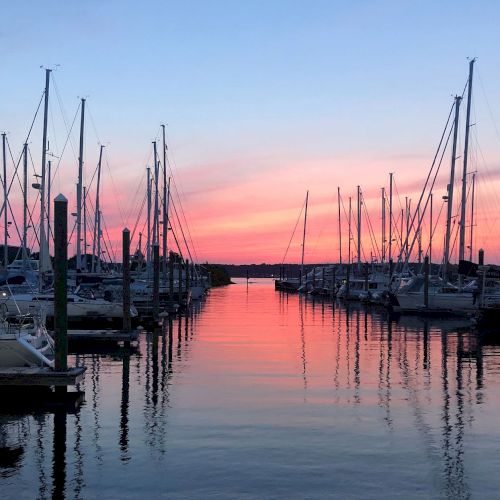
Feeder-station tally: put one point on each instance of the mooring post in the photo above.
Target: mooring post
(348, 272)
(323, 277)
(171, 275)
(482, 277)
(60, 283)
(156, 281)
(333, 282)
(180, 281)
(366, 276)
(187, 276)
(127, 323)
(426, 281)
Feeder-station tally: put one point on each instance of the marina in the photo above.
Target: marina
(250, 250)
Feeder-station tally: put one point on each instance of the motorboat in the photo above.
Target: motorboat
(368, 289)
(25, 343)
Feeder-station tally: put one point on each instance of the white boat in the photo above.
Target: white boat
(26, 344)
(361, 289)
(443, 297)
(80, 306)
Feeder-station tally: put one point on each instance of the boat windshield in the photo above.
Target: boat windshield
(85, 292)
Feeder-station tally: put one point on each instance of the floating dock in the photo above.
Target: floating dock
(40, 376)
(102, 336)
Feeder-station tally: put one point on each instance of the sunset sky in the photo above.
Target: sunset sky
(263, 100)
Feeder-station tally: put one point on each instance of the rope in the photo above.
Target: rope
(293, 233)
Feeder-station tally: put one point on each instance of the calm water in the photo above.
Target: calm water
(264, 395)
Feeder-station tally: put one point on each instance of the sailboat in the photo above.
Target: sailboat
(82, 304)
(296, 284)
(443, 296)
(26, 343)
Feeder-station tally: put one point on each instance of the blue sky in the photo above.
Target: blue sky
(256, 73)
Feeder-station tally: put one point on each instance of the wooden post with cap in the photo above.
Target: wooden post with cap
(156, 281)
(127, 324)
(60, 283)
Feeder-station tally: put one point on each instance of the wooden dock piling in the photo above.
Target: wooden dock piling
(179, 284)
(127, 323)
(156, 281)
(426, 281)
(60, 282)
(171, 275)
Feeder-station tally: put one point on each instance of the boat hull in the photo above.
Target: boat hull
(456, 303)
(76, 310)
(14, 353)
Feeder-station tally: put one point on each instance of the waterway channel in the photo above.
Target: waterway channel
(260, 394)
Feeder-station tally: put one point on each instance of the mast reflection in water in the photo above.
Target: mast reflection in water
(261, 394)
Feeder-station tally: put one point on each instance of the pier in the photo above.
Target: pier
(40, 376)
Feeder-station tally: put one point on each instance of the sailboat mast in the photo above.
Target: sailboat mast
(359, 228)
(390, 217)
(79, 187)
(401, 233)
(383, 225)
(84, 256)
(350, 217)
(139, 255)
(472, 216)
(155, 215)
(41, 255)
(148, 242)
(49, 179)
(419, 236)
(25, 204)
(5, 221)
(450, 190)
(461, 248)
(96, 243)
(165, 219)
(167, 211)
(340, 227)
(407, 214)
(304, 239)
(431, 228)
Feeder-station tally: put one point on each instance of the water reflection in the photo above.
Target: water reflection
(11, 444)
(405, 359)
(312, 397)
(59, 455)
(124, 408)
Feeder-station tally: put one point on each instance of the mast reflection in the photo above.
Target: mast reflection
(124, 408)
(59, 455)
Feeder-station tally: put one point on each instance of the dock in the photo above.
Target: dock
(102, 336)
(40, 376)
